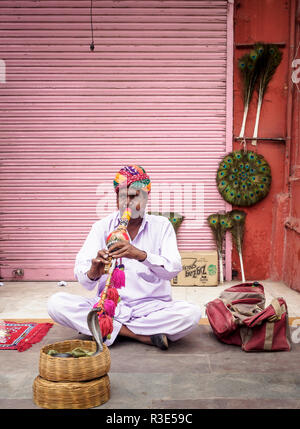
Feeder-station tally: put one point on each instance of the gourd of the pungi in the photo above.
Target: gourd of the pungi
(119, 234)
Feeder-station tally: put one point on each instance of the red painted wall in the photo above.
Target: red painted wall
(291, 263)
(265, 240)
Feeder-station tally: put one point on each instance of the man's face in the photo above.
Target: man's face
(133, 198)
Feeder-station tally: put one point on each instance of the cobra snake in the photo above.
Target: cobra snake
(93, 324)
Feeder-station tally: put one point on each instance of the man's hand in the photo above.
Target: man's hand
(98, 264)
(123, 249)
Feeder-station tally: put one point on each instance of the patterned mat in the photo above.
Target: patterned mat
(21, 335)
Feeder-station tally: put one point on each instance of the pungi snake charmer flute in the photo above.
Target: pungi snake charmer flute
(100, 318)
(116, 279)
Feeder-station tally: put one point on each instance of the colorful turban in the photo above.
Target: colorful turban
(132, 174)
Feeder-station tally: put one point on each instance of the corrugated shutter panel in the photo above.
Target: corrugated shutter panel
(152, 93)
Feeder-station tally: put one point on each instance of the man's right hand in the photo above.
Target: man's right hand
(98, 264)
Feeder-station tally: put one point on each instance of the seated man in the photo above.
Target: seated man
(146, 311)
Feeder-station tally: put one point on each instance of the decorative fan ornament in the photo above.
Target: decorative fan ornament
(243, 178)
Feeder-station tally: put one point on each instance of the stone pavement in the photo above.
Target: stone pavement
(28, 300)
(196, 372)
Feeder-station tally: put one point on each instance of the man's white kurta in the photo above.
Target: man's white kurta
(146, 306)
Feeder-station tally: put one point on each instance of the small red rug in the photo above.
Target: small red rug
(21, 335)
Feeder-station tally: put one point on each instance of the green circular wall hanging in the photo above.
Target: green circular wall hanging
(243, 178)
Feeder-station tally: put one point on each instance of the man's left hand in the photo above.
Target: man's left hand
(123, 249)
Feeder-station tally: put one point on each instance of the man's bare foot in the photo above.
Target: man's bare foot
(124, 331)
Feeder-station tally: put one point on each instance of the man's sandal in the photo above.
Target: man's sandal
(160, 341)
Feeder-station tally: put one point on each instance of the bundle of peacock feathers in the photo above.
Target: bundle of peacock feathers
(249, 71)
(243, 178)
(257, 69)
(269, 59)
(176, 219)
(219, 223)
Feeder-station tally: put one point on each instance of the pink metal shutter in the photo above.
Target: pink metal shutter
(152, 93)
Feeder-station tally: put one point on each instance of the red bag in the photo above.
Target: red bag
(244, 300)
(238, 317)
(220, 318)
(268, 330)
(225, 314)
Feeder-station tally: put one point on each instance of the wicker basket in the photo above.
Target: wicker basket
(66, 395)
(73, 369)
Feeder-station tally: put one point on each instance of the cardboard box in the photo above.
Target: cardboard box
(199, 269)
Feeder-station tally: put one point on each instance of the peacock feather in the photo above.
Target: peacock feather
(238, 218)
(175, 218)
(243, 178)
(225, 222)
(219, 223)
(269, 59)
(248, 66)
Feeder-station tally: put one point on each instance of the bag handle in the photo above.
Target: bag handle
(279, 310)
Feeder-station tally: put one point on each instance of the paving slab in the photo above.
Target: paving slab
(36, 294)
(197, 371)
